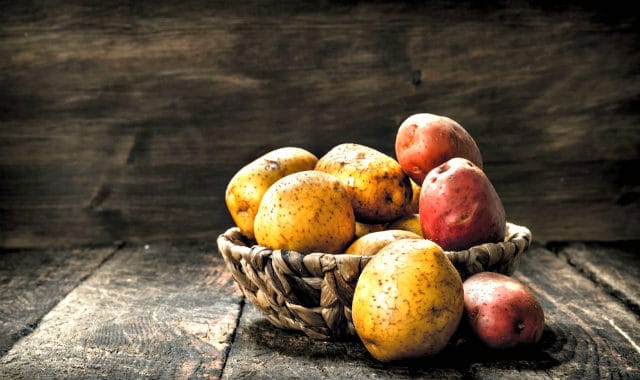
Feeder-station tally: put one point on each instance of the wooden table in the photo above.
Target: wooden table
(166, 311)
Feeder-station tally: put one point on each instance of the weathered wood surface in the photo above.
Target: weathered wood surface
(589, 334)
(157, 311)
(614, 266)
(168, 311)
(32, 282)
(124, 121)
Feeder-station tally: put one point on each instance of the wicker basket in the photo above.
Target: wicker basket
(313, 292)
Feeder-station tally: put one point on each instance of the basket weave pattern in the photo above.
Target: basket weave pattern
(313, 292)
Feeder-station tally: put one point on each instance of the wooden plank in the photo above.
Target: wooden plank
(151, 311)
(588, 334)
(34, 281)
(100, 99)
(614, 266)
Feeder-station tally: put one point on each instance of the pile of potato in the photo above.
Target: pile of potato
(405, 212)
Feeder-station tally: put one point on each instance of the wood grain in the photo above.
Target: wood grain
(166, 311)
(152, 311)
(614, 266)
(125, 122)
(588, 334)
(33, 282)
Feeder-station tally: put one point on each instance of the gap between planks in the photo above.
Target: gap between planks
(625, 287)
(38, 316)
(243, 305)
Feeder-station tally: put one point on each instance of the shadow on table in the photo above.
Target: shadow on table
(461, 355)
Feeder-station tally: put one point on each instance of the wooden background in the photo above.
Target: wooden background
(124, 120)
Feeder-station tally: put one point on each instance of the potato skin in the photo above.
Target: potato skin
(380, 189)
(414, 206)
(501, 311)
(408, 301)
(425, 140)
(459, 207)
(373, 242)
(308, 211)
(410, 222)
(247, 187)
(367, 228)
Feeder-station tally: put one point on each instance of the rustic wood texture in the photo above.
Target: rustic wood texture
(168, 311)
(124, 121)
(33, 282)
(614, 266)
(588, 334)
(157, 311)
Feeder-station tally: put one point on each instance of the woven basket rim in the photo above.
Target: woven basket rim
(516, 234)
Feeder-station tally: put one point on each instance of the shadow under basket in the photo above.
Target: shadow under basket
(312, 293)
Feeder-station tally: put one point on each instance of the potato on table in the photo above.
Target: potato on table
(502, 311)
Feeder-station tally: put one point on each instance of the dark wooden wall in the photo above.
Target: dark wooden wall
(124, 120)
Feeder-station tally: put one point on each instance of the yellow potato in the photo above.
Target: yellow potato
(371, 243)
(367, 228)
(408, 301)
(414, 206)
(308, 211)
(409, 222)
(247, 187)
(380, 189)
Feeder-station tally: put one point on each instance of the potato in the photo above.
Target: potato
(414, 206)
(367, 228)
(308, 211)
(408, 301)
(380, 190)
(247, 187)
(459, 207)
(502, 311)
(409, 222)
(371, 243)
(424, 141)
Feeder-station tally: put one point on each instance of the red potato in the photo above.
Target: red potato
(459, 207)
(424, 141)
(501, 311)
